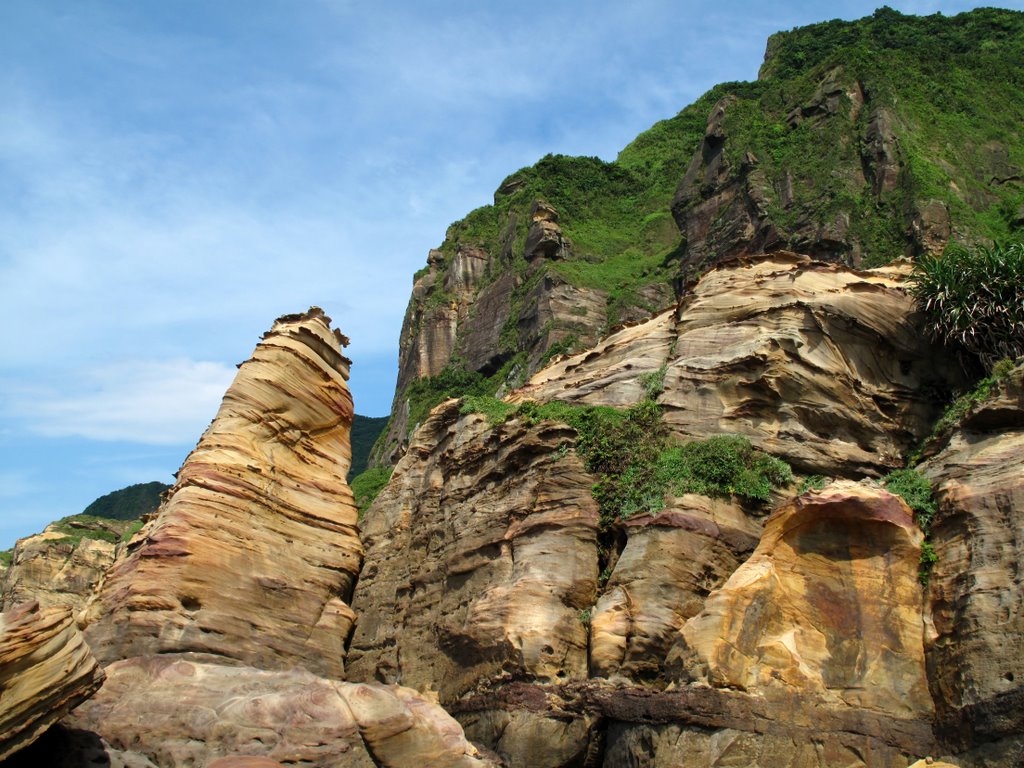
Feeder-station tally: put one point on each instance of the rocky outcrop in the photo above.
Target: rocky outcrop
(473, 310)
(976, 660)
(816, 363)
(63, 565)
(254, 554)
(670, 563)
(46, 670)
(828, 607)
(481, 554)
(177, 712)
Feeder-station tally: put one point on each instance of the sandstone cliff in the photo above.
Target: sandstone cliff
(482, 554)
(859, 142)
(254, 554)
(977, 656)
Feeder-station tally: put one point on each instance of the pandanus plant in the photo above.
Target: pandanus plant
(974, 300)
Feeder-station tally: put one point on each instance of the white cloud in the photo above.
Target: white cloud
(166, 402)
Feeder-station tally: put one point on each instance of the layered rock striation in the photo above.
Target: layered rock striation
(46, 670)
(814, 362)
(481, 555)
(255, 552)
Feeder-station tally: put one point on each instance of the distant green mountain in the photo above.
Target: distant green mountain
(365, 430)
(128, 503)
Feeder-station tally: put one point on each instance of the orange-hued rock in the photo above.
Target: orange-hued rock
(828, 608)
(820, 364)
(180, 712)
(254, 554)
(46, 670)
(481, 554)
(977, 598)
(63, 565)
(670, 563)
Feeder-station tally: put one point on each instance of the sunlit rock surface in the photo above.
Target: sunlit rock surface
(63, 565)
(481, 554)
(817, 363)
(254, 554)
(828, 606)
(670, 563)
(46, 670)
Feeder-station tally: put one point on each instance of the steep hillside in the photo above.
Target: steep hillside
(860, 142)
(128, 503)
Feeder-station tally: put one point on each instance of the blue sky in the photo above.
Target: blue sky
(175, 174)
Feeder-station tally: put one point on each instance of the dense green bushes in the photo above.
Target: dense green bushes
(974, 300)
(366, 485)
(637, 462)
(915, 489)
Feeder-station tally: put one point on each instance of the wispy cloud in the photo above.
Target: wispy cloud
(151, 403)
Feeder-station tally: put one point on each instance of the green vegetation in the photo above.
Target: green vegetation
(127, 503)
(957, 410)
(365, 431)
(974, 300)
(853, 130)
(368, 484)
(6, 557)
(84, 526)
(636, 461)
(953, 92)
(915, 489)
(812, 483)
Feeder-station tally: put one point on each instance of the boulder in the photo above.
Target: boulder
(827, 609)
(178, 711)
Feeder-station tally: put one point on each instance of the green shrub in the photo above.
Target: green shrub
(928, 559)
(653, 383)
(6, 557)
(915, 489)
(367, 485)
(974, 300)
(812, 483)
(497, 411)
(636, 462)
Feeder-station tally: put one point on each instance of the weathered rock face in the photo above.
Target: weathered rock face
(177, 712)
(817, 363)
(976, 661)
(828, 606)
(56, 568)
(474, 310)
(481, 554)
(670, 563)
(255, 552)
(46, 670)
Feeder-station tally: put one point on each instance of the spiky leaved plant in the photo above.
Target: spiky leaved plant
(974, 300)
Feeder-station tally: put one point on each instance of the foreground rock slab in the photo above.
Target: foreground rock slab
(254, 554)
(178, 711)
(46, 670)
